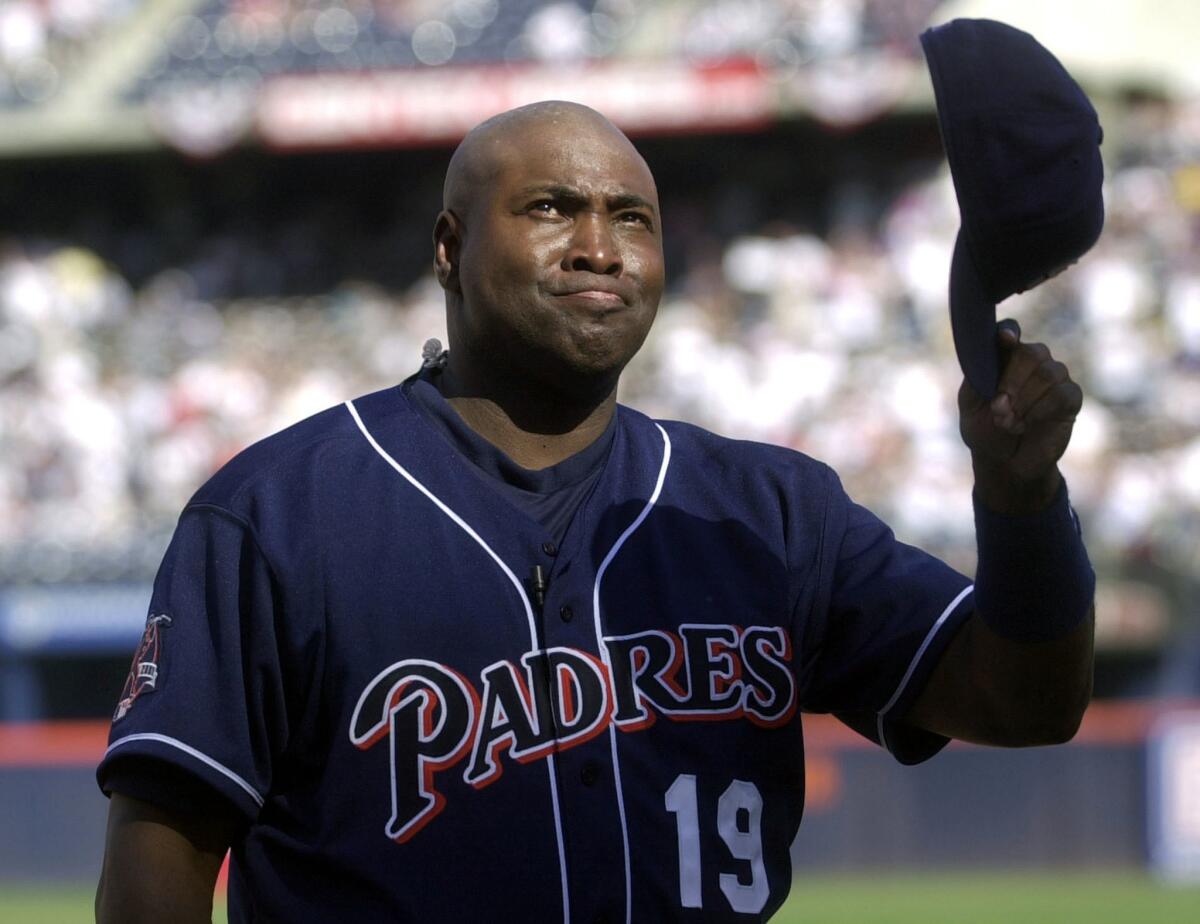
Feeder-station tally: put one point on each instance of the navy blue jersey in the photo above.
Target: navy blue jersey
(549, 495)
(345, 642)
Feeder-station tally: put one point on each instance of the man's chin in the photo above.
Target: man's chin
(605, 343)
(600, 354)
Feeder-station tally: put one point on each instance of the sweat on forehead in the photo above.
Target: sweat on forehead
(482, 153)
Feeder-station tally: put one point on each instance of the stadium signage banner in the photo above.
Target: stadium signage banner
(439, 106)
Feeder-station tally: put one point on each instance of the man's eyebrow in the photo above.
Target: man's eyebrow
(554, 190)
(631, 201)
(573, 194)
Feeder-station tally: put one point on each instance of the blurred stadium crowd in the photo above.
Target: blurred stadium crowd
(242, 40)
(43, 41)
(40, 42)
(121, 398)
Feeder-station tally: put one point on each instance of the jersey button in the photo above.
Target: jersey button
(550, 548)
(590, 773)
(565, 613)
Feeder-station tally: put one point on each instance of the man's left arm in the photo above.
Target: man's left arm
(1019, 671)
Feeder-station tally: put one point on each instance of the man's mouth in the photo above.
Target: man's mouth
(599, 297)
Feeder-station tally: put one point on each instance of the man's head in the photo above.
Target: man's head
(549, 248)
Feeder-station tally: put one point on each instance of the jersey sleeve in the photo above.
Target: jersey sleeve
(204, 693)
(889, 611)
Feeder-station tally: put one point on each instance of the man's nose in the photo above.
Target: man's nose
(593, 247)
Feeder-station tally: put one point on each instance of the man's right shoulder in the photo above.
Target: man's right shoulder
(311, 451)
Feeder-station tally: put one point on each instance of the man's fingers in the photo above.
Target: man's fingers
(1015, 361)
(1043, 378)
(1060, 402)
(1008, 333)
(1020, 363)
(1033, 385)
(1008, 337)
(1048, 394)
(1029, 375)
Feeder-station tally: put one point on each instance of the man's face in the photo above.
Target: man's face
(561, 261)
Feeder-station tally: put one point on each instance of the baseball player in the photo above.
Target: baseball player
(486, 645)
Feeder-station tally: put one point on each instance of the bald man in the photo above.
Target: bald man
(488, 646)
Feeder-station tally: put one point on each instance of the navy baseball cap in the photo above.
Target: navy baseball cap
(1023, 142)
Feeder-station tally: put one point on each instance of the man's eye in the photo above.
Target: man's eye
(636, 218)
(544, 207)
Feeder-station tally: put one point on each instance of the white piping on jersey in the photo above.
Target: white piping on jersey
(612, 729)
(912, 666)
(550, 769)
(190, 751)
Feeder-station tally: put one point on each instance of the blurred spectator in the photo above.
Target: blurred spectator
(41, 41)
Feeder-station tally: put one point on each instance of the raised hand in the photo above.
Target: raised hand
(1018, 437)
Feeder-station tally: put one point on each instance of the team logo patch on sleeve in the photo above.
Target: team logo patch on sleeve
(143, 672)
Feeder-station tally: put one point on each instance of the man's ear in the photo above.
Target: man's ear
(447, 243)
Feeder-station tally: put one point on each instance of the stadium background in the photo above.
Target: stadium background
(216, 220)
